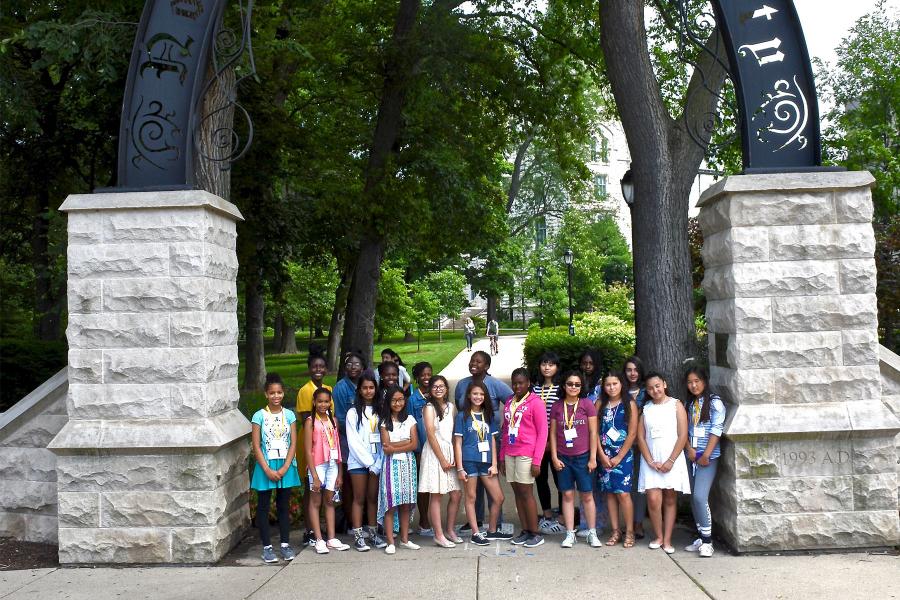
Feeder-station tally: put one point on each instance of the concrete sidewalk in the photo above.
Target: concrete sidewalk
(502, 365)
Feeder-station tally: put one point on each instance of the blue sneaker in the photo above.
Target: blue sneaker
(268, 555)
(287, 553)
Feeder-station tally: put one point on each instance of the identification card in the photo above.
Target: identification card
(400, 456)
(276, 449)
(656, 432)
(694, 441)
(700, 432)
(613, 434)
(570, 434)
(484, 446)
(484, 458)
(375, 438)
(334, 454)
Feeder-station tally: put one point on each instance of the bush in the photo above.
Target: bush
(612, 337)
(511, 324)
(26, 364)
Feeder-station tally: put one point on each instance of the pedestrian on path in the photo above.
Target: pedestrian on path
(618, 430)
(523, 441)
(573, 453)
(706, 422)
(274, 439)
(662, 436)
(323, 455)
(469, 329)
(475, 446)
(398, 485)
(364, 462)
(438, 473)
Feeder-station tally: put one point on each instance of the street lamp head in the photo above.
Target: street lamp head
(540, 272)
(569, 257)
(628, 188)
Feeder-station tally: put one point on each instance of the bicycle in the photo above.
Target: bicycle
(494, 349)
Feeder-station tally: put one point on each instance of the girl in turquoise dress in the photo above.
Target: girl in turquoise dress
(274, 438)
(618, 429)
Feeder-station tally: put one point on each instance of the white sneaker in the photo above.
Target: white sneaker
(321, 547)
(593, 540)
(336, 544)
(583, 533)
(694, 546)
(390, 549)
(569, 541)
(706, 550)
(410, 545)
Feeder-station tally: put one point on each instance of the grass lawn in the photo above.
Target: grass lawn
(293, 370)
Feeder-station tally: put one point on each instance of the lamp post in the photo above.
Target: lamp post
(628, 188)
(569, 258)
(540, 278)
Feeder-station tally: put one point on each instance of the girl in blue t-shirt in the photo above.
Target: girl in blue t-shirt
(475, 448)
(274, 438)
(706, 421)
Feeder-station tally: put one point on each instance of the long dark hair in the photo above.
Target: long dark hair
(624, 397)
(358, 403)
(573, 373)
(594, 379)
(703, 376)
(548, 357)
(322, 391)
(430, 399)
(641, 369)
(385, 412)
(487, 409)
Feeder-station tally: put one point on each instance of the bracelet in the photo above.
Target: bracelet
(671, 460)
(460, 470)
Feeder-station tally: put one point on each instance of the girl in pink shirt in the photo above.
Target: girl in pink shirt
(523, 439)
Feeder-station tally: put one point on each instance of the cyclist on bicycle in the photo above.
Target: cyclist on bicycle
(493, 331)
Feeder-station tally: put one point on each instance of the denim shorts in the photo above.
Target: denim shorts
(359, 471)
(575, 474)
(476, 469)
(327, 473)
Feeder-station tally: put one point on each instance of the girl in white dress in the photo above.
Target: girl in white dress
(438, 473)
(662, 434)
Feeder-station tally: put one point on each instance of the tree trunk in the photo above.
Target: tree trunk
(211, 161)
(359, 325)
(335, 328)
(278, 328)
(254, 350)
(491, 307)
(319, 333)
(664, 163)
(408, 336)
(289, 340)
(46, 299)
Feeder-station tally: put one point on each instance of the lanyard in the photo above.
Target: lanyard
(326, 425)
(479, 426)
(514, 408)
(545, 392)
(696, 411)
(570, 422)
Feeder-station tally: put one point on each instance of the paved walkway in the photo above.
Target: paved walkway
(502, 365)
(469, 572)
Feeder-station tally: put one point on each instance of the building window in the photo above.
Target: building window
(600, 186)
(540, 230)
(604, 150)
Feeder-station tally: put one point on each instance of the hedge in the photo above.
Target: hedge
(610, 336)
(26, 364)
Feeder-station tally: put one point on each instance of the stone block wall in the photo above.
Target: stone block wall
(809, 459)
(27, 469)
(152, 465)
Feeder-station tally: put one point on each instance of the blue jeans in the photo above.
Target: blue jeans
(701, 482)
(469, 338)
(638, 499)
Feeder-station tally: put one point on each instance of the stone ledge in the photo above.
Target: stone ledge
(784, 182)
(146, 200)
(815, 531)
(838, 420)
(151, 436)
(120, 545)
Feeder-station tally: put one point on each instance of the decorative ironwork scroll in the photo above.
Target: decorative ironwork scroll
(774, 83)
(165, 82)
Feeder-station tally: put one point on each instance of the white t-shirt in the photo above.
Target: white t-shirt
(402, 433)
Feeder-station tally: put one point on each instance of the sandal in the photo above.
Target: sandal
(629, 540)
(614, 538)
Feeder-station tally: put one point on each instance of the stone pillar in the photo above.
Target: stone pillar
(152, 465)
(808, 457)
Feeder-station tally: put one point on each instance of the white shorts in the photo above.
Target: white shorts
(327, 473)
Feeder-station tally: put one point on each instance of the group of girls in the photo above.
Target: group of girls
(402, 447)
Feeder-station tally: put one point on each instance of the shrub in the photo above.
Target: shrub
(612, 337)
(26, 364)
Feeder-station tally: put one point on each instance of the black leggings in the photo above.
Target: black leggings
(543, 484)
(282, 504)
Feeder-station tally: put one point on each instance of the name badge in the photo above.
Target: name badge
(613, 434)
(656, 432)
(484, 446)
(334, 454)
(700, 432)
(400, 456)
(570, 434)
(276, 449)
(694, 441)
(375, 438)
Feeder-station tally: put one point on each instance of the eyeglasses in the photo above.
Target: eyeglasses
(573, 384)
(439, 387)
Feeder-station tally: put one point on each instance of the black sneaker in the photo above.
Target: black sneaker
(534, 541)
(310, 538)
(480, 540)
(466, 528)
(521, 538)
(498, 535)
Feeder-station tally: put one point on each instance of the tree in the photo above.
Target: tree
(665, 159)
(394, 307)
(425, 307)
(448, 287)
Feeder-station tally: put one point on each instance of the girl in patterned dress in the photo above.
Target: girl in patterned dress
(618, 428)
(398, 484)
